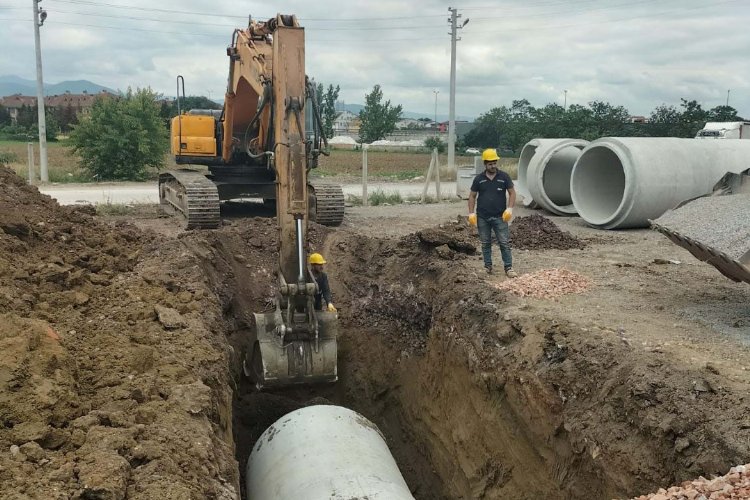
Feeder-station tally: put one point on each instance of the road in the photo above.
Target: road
(131, 193)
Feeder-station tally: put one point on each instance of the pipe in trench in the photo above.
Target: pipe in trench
(544, 170)
(622, 182)
(323, 452)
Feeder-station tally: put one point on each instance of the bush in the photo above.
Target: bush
(122, 137)
(435, 142)
(7, 157)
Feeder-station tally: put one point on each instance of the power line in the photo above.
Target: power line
(372, 28)
(213, 14)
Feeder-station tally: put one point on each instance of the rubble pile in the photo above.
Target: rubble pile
(546, 284)
(733, 485)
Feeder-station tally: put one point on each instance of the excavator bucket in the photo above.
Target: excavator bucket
(270, 363)
(716, 228)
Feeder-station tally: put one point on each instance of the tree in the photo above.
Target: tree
(121, 137)
(435, 143)
(4, 116)
(327, 105)
(377, 119)
(723, 114)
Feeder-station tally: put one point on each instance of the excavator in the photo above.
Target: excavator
(239, 144)
(257, 147)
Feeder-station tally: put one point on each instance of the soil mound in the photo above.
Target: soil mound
(536, 232)
(100, 395)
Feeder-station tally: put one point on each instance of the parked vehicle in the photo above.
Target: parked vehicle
(725, 130)
(472, 151)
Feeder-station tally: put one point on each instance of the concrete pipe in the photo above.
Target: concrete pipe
(623, 182)
(544, 170)
(323, 452)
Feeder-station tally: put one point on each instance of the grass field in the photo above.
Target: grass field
(63, 165)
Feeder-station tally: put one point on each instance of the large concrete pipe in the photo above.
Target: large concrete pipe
(322, 453)
(623, 182)
(544, 170)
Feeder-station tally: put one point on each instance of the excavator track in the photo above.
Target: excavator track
(329, 204)
(193, 195)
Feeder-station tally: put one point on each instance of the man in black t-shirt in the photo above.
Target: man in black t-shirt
(323, 295)
(488, 194)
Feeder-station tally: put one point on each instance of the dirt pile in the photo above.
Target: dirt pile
(113, 369)
(536, 232)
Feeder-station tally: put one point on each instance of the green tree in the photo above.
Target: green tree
(327, 105)
(435, 142)
(378, 118)
(692, 118)
(27, 116)
(723, 114)
(122, 136)
(4, 116)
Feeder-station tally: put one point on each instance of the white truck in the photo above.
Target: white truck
(725, 130)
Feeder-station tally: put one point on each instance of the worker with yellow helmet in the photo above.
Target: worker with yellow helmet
(316, 262)
(493, 210)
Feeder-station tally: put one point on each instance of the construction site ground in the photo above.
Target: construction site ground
(121, 340)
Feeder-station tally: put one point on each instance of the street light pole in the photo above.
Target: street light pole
(436, 92)
(39, 17)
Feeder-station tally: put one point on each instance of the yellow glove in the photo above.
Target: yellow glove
(508, 214)
(473, 219)
(331, 308)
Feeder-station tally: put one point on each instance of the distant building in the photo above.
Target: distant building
(346, 123)
(81, 103)
(409, 123)
(638, 119)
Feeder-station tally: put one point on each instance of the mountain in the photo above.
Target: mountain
(11, 84)
(356, 108)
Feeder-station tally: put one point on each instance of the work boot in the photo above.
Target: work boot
(510, 273)
(488, 269)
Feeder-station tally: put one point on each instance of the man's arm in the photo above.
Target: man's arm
(511, 197)
(472, 201)
(325, 289)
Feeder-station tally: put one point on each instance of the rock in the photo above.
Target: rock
(103, 475)
(193, 398)
(169, 318)
(444, 252)
(81, 299)
(33, 451)
(30, 431)
(681, 444)
(55, 439)
(185, 297)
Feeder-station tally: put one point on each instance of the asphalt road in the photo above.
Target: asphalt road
(147, 192)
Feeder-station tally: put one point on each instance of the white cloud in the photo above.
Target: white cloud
(634, 53)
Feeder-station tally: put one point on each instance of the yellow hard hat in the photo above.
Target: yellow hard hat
(316, 258)
(490, 155)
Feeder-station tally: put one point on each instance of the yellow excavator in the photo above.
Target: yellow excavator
(257, 147)
(268, 95)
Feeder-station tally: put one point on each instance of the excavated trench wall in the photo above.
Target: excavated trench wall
(477, 396)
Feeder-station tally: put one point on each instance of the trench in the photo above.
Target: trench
(476, 399)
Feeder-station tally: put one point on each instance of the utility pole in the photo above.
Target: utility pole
(436, 92)
(728, 96)
(565, 106)
(39, 17)
(453, 20)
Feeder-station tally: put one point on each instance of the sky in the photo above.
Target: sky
(634, 53)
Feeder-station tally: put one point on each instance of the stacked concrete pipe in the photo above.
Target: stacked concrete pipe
(320, 453)
(622, 182)
(544, 170)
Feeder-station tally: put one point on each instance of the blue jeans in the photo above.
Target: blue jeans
(486, 227)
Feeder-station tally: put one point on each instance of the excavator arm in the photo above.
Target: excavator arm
(295, 343)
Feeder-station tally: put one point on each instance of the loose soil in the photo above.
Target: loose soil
(122, 339)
